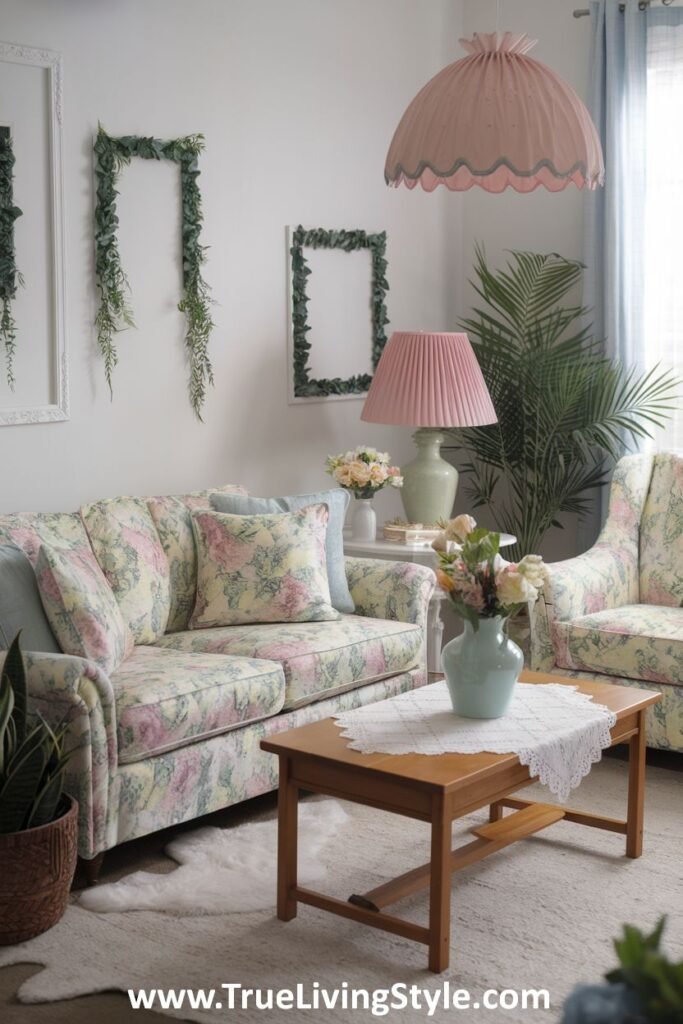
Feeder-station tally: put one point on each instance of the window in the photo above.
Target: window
(663, 342)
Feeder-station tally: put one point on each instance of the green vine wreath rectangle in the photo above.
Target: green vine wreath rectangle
(114, 313)
(10, 277)
(306, 386)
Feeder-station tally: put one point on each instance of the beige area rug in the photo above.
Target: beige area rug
(538, 915)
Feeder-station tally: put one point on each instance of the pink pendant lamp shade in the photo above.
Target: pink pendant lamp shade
(428, 380)
(496, 118)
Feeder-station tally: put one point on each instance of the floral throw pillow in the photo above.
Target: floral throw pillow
(81, 607)
(261, 568)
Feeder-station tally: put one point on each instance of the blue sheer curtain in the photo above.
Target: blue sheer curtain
(615, 216)
(618, 228)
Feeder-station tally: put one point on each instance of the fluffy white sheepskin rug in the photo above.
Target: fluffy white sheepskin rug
(224, 871)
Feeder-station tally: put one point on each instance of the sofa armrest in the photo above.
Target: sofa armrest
(391, 590)
(67, 689)
(604, 577)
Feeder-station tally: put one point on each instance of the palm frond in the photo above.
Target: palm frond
(565, 412)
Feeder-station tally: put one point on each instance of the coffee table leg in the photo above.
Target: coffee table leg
(440, 888)
(287, 819)
(495, 812)
(636, 790)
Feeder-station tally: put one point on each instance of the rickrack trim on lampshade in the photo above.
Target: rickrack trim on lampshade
(496, 118)
(429, 380)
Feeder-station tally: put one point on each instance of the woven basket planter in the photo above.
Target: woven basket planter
(36, 871)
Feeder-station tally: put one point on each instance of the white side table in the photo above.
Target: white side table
(423, 555)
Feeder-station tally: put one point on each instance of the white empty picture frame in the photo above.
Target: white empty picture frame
(31, 107)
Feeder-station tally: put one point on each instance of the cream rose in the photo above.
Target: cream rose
(512, 587)
(342, 474)
(533, 568)
(378, 473)
(360, 473)
(459, 529)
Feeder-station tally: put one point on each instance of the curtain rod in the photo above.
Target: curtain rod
(642, 6)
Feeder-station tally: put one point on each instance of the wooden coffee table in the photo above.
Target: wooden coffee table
(438, 789)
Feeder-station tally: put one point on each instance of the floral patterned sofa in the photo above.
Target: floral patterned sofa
(616, 612)
(175, 731)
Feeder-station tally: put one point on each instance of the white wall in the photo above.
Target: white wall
(298, 101)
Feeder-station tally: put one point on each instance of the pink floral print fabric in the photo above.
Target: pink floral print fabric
(661, 535)
(127, 546)
(81, 607)
(165, 699)
(318, 658)
(614, 613)
(30, 530)
(638, 641)
(261, 568)
(172, 517)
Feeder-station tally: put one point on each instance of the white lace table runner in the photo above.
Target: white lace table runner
(558, 732)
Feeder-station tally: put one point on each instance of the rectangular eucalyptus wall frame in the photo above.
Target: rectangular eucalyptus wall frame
(55, 407)
(302, 386)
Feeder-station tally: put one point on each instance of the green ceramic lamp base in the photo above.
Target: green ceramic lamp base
(429, 482)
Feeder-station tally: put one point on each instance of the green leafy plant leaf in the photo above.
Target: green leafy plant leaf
(565, 411)
(10, 277)
(306, 386)
(114, 313)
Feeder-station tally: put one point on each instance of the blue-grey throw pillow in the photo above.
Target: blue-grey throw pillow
(20, 604)
(336, 500)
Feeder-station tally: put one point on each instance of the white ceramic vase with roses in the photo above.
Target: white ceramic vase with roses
(483, 664)
(363, 471)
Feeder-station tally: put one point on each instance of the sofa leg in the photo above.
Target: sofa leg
(92, 868)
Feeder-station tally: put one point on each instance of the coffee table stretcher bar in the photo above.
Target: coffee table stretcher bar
(316, 758)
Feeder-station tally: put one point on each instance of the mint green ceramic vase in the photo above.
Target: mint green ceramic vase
(481, 669)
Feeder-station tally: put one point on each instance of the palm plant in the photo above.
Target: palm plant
(565, 411)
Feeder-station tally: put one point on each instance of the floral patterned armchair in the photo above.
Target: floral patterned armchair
(616, 612)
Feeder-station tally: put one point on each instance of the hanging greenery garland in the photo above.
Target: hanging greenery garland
(114, 313)
(10, 277)
(306, 386)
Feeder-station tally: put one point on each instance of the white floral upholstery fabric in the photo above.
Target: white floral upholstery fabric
(261, 568)
(615, 611)
(224, 770)
(81, 607)
(661, 535)
(127, 546)
(319, 658)
(165, 699)
(638, 641)
(119, 799)
(30, 530)
(172, 516)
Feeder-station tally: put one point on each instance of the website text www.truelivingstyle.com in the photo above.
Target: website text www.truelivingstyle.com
(379, 1001)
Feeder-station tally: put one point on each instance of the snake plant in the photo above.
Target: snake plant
(32, 757)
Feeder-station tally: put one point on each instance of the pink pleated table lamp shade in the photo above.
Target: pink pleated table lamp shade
(497, 119)
(429, 380)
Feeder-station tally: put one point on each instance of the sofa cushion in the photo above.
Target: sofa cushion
(266, 568)
(661, 534)
(166, 699)
(20, 604)
(81, 607)
(336, 499)
(30, 530)
(127, 546)
(638, 641)
(173, 522)
(319, 658)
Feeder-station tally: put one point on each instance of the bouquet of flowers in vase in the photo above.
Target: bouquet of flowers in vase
(364, 471)
(479, 583)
